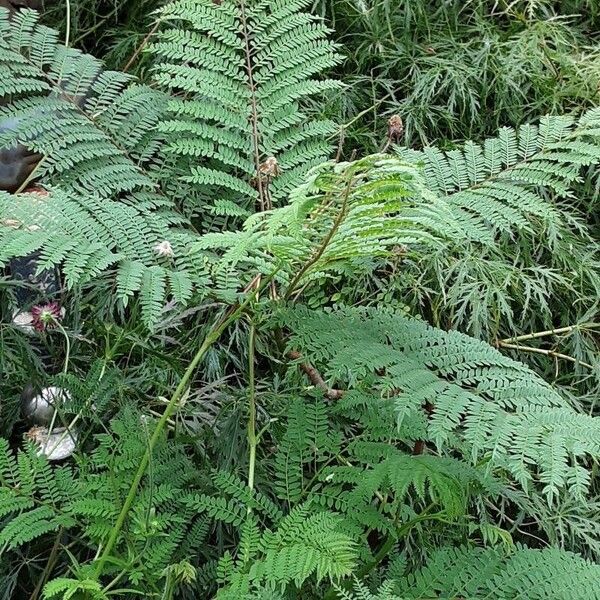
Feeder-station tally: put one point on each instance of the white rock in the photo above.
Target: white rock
(56, 445)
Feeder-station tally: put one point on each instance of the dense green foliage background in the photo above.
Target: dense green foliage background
(386, 386)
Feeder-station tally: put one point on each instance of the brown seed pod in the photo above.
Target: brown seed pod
(395, 129)
(269, 168)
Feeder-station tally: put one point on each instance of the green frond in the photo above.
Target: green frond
(221, 509)
(12, 502)
(249, 545)
(97, 134)
(444, 482)
(8, 465)
(501, 182)
(43, 498)
(72, 588)
(305, 544)
(362, 592)
(93, 129)
(500, 410)
(364, 211)
(246, 68)
(503, 573)
(233, 486)
(307, 439)
(90, 237)
(30, 525)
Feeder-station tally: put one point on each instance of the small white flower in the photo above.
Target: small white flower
(12, 223)
(164, 249)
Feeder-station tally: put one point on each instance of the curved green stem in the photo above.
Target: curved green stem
(65, 369)
(324, 244)
(68, 345)
(213, 335)
(252, 437)
(68, 24)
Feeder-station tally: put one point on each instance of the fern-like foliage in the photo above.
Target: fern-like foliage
(433, 480)
(241, 71)
(305, 543)
(24, 518)
(499, 181)
(94, 130)
(97, 135)
(169, 520)
(346, 218)
(513, 195)
(362, 592)
(342, 220)
(37, 499)
(406, 433)
(502, 573)
(88, 236)
(66, 589)
(430, 207)
(480, 401)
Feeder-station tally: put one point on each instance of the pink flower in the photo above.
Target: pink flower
(46, 315)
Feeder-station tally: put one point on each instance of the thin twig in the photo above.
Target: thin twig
(100, 23)
(558, 331)
(49, 566)
(388, 143)
(170, 423)
(315, 377)
(550, 353)
(141, 47)
(361, 114)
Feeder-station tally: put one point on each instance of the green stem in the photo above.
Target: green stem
(209, 340)
(49, 566)
(68, 24)
(68, 345)
(68, 428)
(326, 241)
(252, 438)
